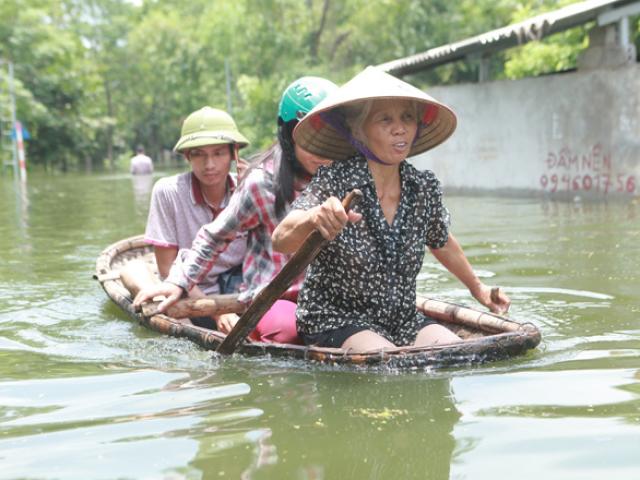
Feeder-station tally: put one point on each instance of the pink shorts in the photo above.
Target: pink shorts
(278, 325)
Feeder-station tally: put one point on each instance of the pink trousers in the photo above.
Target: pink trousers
(278, 324)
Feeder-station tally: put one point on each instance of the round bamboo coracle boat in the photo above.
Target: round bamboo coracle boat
(487, 337)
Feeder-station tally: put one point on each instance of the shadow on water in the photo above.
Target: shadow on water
(337, 424)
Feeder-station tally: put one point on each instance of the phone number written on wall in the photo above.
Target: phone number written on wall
(569, 171)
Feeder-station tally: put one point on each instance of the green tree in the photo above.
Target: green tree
(96, 77)
(556, 53)
(48, 61)
(102, 26)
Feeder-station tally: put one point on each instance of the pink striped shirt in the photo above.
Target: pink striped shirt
(178, 210)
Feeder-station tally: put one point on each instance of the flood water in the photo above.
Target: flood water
(85, 393)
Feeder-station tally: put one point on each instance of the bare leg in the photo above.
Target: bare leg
(435, 334)
(366, 341)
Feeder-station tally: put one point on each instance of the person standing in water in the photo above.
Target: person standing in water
(141, 164)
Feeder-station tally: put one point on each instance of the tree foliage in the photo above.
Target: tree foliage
(94, 78)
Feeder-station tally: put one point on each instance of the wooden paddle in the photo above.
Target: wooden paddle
(137, 275)
(282, 281)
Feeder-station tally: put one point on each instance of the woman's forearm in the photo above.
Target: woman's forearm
(292, 231)
(329, 219)
(453, 259)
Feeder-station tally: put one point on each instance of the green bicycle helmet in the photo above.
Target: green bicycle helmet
(302, 95)
(209, 126)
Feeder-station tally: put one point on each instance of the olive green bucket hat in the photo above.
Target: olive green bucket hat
(209, 126)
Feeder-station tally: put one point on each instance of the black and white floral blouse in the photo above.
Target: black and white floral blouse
(367, 275)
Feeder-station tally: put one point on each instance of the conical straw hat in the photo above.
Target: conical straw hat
(323, 132)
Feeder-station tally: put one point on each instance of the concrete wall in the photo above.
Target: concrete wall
(566, 135)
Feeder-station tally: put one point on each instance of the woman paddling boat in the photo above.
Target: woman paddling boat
(360, 292)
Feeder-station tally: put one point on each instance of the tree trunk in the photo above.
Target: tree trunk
(315, 36)
(107, 91)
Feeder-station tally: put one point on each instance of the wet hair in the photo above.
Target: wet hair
(285, 163)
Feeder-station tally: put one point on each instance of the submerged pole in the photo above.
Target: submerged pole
(17, 137)
(22, 161)
(12, 105)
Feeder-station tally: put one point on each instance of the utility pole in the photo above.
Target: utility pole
(11, 129)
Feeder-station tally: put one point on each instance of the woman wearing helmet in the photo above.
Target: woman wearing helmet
(360, 292)
(260, 202)
(183, 203)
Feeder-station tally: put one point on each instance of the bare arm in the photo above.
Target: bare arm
(164, 259)
(453, 259)
(291, 232)
(329, 219)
